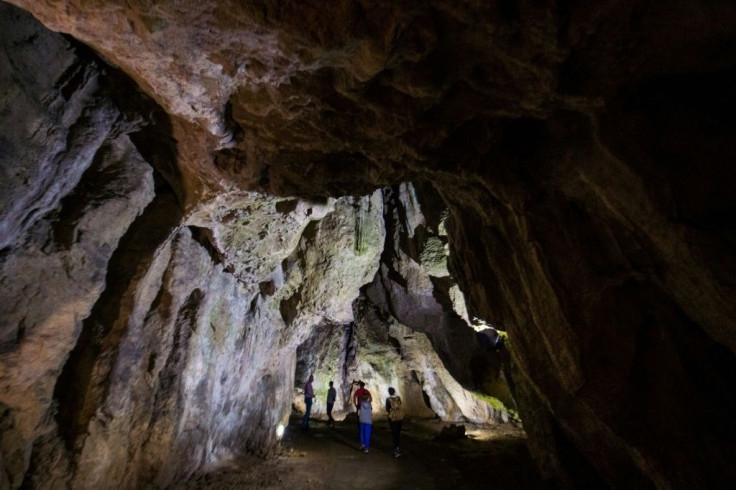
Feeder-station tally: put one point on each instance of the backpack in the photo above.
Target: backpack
(365, 415)
(397, 413)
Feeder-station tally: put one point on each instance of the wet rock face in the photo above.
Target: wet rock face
(583, 152)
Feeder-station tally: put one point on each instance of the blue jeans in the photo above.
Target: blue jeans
(365, 434)
(305, 420)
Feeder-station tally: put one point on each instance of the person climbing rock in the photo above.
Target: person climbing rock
(308, 395)
(395, 418)
(365, 418)
(331, 396)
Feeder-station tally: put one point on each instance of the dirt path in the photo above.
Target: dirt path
(329, 458)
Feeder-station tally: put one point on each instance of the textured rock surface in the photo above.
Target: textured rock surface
(382, 353)
(412, 286)
(415, 287)
(74, 187)
(140, 344)
(583, 151)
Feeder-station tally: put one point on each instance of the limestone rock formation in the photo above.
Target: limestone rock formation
(383, 353)
(412, 286)
(415, 287)
(141, 343)
(582, 151)
(73, 185)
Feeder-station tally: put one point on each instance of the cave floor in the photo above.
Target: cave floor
(329, 458)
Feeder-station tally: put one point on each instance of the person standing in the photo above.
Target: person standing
(331, 397)
(358, 398)
(395, 418)
(358, 395)
(365, 418)
(308, 396)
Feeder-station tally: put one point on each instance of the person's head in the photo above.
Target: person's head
(365, 397)
(391, 391)
(311, 377)
(361, 384)
(330, 384)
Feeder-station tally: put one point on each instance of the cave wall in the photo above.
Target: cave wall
(139, 343)
(415, 287)
(73, 184)
(588, 264)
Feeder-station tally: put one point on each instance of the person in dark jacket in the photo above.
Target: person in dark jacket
(331, 397)
(395, 418)
(308, 396)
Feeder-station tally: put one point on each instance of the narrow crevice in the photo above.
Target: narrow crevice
(72, 81)
(348, 347)
(288, 307)
(389, 208)
(204, 237)
(395, 344)
(360, 246)
(427, 401)
(232, 126)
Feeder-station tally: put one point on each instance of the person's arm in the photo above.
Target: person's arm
(388, 406)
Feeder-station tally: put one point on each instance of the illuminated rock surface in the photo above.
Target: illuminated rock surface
(174, 228)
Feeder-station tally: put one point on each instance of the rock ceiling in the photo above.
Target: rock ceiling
(583, 152)
(332, 100)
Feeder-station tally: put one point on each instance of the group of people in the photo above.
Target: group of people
(363, 401)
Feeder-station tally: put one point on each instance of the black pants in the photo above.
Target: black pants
(330, 420)
(396, 432)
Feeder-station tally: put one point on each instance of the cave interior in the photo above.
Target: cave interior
(512, 212)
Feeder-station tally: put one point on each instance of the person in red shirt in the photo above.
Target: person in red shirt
(358, 398)
(358, 395)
